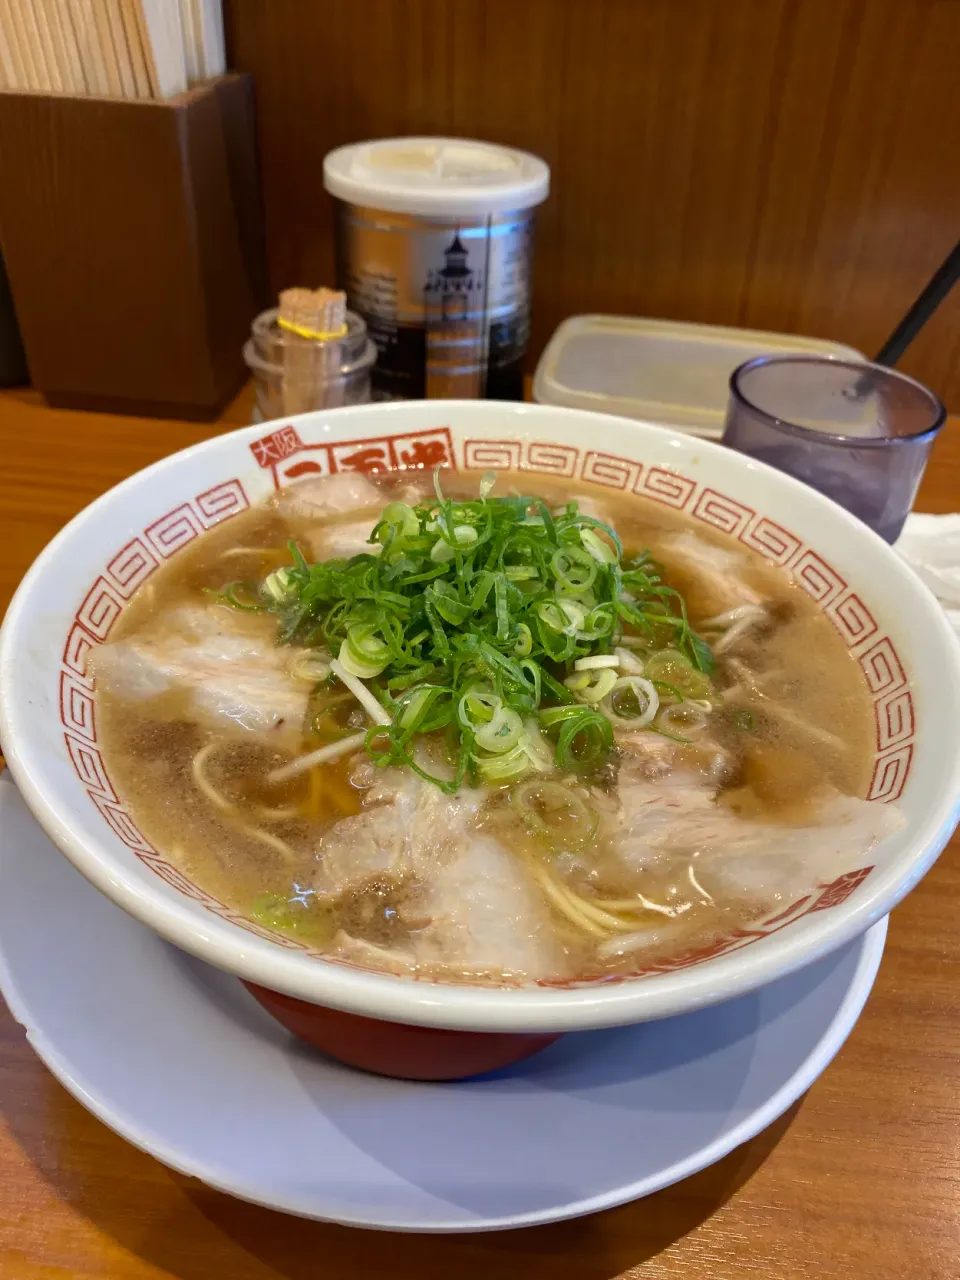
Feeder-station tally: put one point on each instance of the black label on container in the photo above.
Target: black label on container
(401, 369)
(508, 340)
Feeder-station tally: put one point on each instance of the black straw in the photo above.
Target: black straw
(941, 282)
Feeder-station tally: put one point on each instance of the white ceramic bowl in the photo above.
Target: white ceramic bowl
(73, 594)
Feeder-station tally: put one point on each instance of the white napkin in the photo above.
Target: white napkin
(931, 547)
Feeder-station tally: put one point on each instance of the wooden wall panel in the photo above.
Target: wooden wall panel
(784, 164)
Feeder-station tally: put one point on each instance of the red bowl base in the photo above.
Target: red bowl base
(395, 1049)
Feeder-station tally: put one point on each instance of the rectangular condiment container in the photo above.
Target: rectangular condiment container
(663, 371)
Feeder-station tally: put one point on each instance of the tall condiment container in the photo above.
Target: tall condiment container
(434, 251)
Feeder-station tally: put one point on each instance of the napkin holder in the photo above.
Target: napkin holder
(133, 238)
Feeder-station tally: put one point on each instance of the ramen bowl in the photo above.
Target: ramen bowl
(71, 598)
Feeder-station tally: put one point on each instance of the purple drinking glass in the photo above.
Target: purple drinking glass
(859, 433)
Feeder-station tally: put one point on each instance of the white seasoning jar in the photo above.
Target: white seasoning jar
(434, 251)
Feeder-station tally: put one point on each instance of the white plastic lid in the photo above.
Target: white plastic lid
(453, 177)
(659, 370)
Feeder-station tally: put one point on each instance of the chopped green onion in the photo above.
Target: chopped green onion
(577, 682)
(363, 653)
(245, 597)
(495, 621)
(478, 706)
(552, 616)
(463, 536)
(550, 717)
(278, 587)
(599, 683)
(402, 517)
(502, 733)
(555, 814)
(536, 748)
(274, 911)
(673, 667)
(373, 708)
(532, 677)
(310, 666)
(585, 735)
(584, 743)
(598, 623)
(504, 768)
(524, 645)
(601, 551)
(356, 667)
(598, 660)
(633, 701)
(565, 616)
(574, 569)
(415, 708)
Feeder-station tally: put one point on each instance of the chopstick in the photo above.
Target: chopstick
(110, 48)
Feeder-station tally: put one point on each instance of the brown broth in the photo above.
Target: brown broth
(818, 735)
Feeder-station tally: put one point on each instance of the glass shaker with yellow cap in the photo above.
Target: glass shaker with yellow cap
(308, 353)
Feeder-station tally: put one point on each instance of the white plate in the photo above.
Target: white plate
(180, 1060)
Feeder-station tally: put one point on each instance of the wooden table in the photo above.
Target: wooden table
(860, 1180)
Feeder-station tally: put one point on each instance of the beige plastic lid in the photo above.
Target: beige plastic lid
(450, 177)
(658, 370)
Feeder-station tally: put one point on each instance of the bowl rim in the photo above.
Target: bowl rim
(449, 1005)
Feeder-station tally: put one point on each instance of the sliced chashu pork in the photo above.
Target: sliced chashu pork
(719, 578)
(318, 512)
(211, 664)
(695, 857)
(340, 540)
(591, 506)
(671, 822)
(488, 916)
(405, 829)
(328, 496)
(651, 755)
(476, 910)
